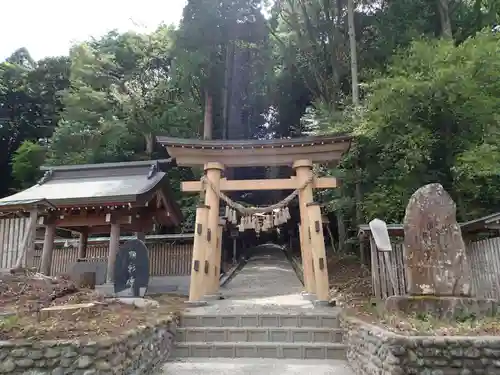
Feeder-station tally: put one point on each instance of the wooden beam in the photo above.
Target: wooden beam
(82, 243)
(269, 184)
(257, 154)
(137, 224)
(114, 245)
(134, 227)
(92, 220)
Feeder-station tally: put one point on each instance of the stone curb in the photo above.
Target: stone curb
(375, 350)
(390, 335)
(137, 351)
(232, 272)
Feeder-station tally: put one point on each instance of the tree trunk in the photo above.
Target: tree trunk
(228, 68)
(341, 231)
(444, 15)
(354, 55)
(207, 121)
(355, 101)
(149, 138)
(332, 241)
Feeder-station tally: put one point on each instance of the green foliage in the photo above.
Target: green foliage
(429, 113)
(223, 50)
(29, 106)
(423, 122)
(26, 163)
(121, 96)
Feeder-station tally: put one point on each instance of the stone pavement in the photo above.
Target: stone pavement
(267, 285)
(256, 366)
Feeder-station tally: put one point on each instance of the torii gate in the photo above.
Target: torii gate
(215, 155)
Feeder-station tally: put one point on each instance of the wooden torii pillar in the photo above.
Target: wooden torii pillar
(303, 170)
(213, 172)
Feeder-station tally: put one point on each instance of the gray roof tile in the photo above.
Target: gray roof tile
(92, 184)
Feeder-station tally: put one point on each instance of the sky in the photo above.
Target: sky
(50, 27)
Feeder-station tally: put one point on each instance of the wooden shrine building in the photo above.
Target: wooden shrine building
(217, 155)
(110, 198)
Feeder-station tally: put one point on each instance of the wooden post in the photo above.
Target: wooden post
(303, 170)
(318, 252)
(234, 249)
(28, 246)
(301, 241)
(48, 247)
(213, 172)
(141, 236)
(114, 245)
(82, 244)
(196, 289)
(218, 259)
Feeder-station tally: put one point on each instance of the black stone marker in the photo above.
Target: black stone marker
(132, 269)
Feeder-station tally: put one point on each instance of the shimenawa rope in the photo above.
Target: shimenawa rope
(245, 211)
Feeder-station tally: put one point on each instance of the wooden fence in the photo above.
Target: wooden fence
(165, 259)
(381, 280)
(12, 232)
(483, 257)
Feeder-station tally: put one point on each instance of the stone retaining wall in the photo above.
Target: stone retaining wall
(137, 352)
(372, 350)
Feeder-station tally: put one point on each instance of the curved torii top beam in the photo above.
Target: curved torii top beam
(254, 153)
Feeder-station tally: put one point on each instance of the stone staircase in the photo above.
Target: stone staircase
(277, 335)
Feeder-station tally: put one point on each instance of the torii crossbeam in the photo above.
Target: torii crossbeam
(271, 184)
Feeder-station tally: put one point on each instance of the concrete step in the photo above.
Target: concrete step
(254, 366)
(272, 320)
(240, 334)
(259, 350)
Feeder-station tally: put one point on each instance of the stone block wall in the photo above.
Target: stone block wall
(137, 352)
(372, 350)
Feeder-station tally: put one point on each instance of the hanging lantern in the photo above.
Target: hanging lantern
(228, 212)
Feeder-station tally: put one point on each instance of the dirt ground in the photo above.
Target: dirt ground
(22, 296)
(351, 288)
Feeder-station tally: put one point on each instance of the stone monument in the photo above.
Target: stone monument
(438, 274)
(435, 250)
(131, 269)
